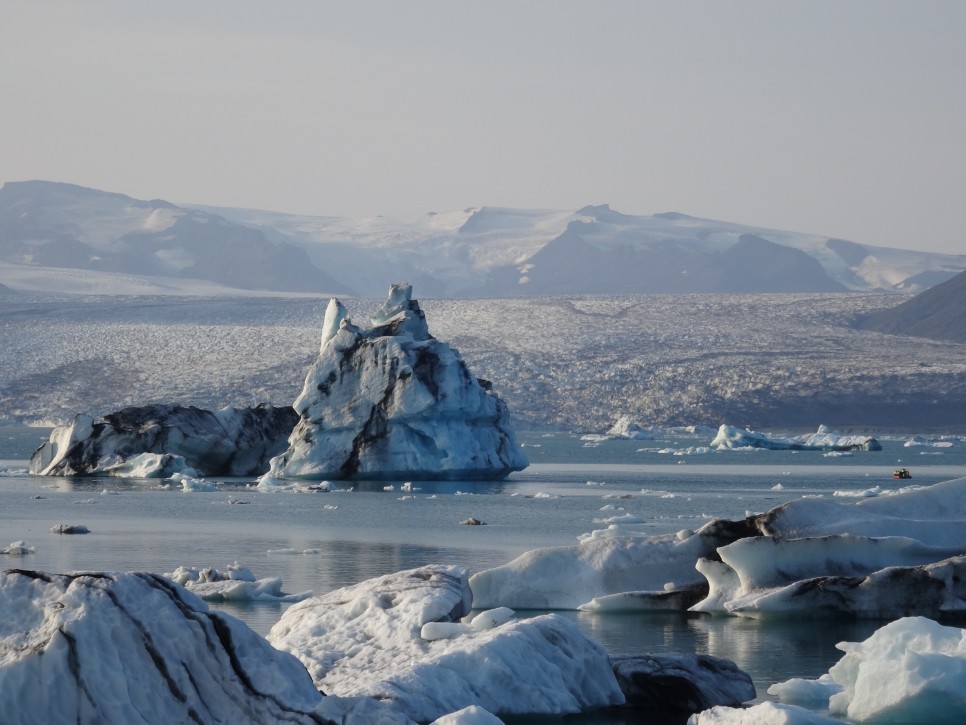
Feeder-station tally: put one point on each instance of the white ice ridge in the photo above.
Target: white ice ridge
(885, 556)
(400, 639)
(393, 402)
(127, 648)
(611, 569)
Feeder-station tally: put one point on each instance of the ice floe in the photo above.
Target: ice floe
(825, 439)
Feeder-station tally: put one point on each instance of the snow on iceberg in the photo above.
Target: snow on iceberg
(730, 437)
(367, 640)
(912, 670)
(391, 401)
(124, 648)
(156, 441)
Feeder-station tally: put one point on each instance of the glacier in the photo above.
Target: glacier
(390, 401)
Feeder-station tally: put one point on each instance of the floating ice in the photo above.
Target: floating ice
(912, 670)
(730, 437)
(237, 583)
(69, 529)
(606, 563)
(765, 713)
(18, 548)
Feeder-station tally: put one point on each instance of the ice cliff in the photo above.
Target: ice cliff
(391, 401)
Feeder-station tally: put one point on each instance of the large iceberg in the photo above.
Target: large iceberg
(136, 648)
(824, 439)
(159, 440)
(400, 639)
(391, 401)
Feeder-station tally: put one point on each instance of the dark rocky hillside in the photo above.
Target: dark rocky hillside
(939, 313)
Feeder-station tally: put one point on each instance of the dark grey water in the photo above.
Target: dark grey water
(371, 531)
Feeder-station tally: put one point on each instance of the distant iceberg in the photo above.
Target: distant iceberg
(627, 427)
(825, 439)
(392, 402)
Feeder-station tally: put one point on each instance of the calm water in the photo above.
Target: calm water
(370, 531)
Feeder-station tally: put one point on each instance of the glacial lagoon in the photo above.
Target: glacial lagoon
(322, 541)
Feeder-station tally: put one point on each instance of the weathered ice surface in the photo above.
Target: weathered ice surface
(136, 648)
(158, 440)
(681, 682)
(391, 401)
(398, 638)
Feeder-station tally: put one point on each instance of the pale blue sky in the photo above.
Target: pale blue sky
(845, 118)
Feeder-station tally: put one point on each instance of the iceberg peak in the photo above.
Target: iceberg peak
(335, 313)
(393, 402)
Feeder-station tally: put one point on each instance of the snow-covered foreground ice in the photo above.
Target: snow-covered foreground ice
(130, 648)
(912, 670)
(398, 638)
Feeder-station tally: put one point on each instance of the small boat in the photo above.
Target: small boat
(901, 473)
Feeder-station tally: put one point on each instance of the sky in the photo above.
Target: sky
(844, 118)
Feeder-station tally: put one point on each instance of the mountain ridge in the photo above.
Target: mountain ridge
(488, 251)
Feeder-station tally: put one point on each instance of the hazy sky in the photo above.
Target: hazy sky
(844, 118)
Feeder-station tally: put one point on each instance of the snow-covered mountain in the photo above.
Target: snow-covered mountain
(490, 251)
(60, 237)
(55, 226)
